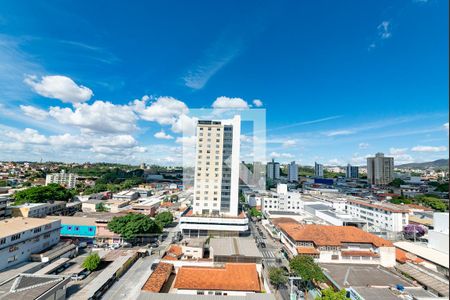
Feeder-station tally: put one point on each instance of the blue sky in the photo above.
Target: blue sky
(109, 81)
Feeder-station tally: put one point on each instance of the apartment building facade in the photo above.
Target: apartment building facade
(293, 172)
(380, 169)
(21, 237)
(318, 170)
(385, 216)
(69, 180)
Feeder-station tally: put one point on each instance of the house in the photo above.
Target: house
(158, 278)
(336, 244)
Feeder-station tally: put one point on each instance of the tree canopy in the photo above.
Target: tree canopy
(330, 294)
(255, 213)
(41, 194)
(164, 218)
(277, 277)
(130, 225)
(91, 262)
(397, 182)
(305, 267)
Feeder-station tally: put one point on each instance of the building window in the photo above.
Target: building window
(2, 241)
(15, 237)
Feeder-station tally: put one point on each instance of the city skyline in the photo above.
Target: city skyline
(334, 91)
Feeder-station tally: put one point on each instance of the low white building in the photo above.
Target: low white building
(385, 216)
(282, 200)
(21, 237)
(438, 237)
(69, 180)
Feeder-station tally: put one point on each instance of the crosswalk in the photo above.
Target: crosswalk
(267, 254)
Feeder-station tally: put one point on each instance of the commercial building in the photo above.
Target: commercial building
(385, 216)
(336, 244)
(3, 204)
(38, 210)
(351, 172)
(234, 279)
(273, 170)
(129, 195)
(215, 208)
(234, 249)
(69, 180)
(282, 200)
(318, 170)
(380, 169)
(293, 172)
(21, 237)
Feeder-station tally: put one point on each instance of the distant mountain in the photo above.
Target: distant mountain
(437, 164)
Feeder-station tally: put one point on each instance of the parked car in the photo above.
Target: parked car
(82, 245)
(153, 266)
(263, 245)
(114, 246)
(80, 276)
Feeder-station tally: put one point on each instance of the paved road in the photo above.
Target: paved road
(130, 284)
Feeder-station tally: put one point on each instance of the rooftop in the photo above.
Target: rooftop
(73, 220)
(232, 277)
(158, 278)
(13, 226)
(325, 235)
(234, 246)
(429, 254)
(385, 206)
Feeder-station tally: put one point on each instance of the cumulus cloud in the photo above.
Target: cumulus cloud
(59, 87)
(100, 116)
(230, 103)
(335, 162)
(396, 151)
(34, 112)
(429, 149)
(162, 135)
(28, 135)
(289, 143)
(363, 145)
(446, 127)
(185, 125)
(400, 155)
(165, 111)
(257, 103)
(281, 155)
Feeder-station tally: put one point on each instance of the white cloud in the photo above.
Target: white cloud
(363, 145)
(59, 87)
(397, 151)
(187, 140)
(28, 136)
(257, 103)
(384, 30)
(165, 111)
(446, 127)
(335, 162)
(185, 124)
(34, 112)
(162, 135)
(289, 143)
(339, 132)
(100, 116)
(429, 149)
(230, 103)
(280, 155)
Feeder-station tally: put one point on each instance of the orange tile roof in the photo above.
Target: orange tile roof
(158, 278)
(417, 206)
(307, 250)
(325, 235)
(174, 253)
(359, 253)
(403, 257)
(166, 204)
(232, 277)
(276, 221)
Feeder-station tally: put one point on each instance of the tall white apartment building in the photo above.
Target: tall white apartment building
(438, 237)
(69, 180)
(21, 237)
(380, 169)
(273, 170)
(216, 181)
(318, 170)
(293, 172)
(385, 216)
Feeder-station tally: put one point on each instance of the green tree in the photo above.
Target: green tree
(130, 225)
(255, 213)
(91, 262)
(40, 194)
(277, 277)
(100, 207)
(305, 267)
(397, 182)
(165, 218)
(330, 294)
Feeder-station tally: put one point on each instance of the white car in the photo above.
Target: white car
(114, 246)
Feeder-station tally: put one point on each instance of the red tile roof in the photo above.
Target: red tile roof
(174, 253)
(324, 235)
(158, 278)
(403, 256)
(232, 277)
(417, 206)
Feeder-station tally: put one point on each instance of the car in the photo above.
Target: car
(114, 246)
(263, 245)
(153, 266)
(153, 245)
(263, 236)
(127, 245)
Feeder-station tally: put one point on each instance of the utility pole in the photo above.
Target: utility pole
(293, 296)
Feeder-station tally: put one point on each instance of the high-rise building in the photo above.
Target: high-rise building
(351, 172)
(380, 169)
(318, 170)
(293, 172)
(215, 209)
(244, 174)
(69, 180)
(273, 170)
